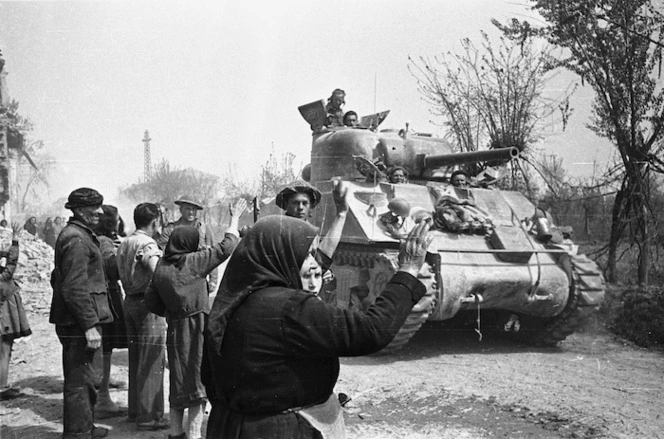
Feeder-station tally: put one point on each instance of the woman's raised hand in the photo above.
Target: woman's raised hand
(414, 248)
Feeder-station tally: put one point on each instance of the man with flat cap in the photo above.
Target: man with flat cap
(79, 306)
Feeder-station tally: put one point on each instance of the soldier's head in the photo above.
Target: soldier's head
(85, 204)
(397, 174)
(350, 119)
(459, 178)
(189, 208)
(297, 199)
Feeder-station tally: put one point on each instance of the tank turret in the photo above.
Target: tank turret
(335, 153)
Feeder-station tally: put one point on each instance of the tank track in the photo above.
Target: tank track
(586, 281)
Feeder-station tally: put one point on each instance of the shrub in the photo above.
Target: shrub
(636, 314)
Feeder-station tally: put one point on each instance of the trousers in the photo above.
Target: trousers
(83, 370)
(146, 338)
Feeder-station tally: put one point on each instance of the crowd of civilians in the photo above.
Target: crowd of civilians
(265, 355)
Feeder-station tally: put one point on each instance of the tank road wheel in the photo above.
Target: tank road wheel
(419, 314)
(586, 291)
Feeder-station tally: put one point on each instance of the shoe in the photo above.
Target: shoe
(182, 435)
(161, 424)
(99, 432)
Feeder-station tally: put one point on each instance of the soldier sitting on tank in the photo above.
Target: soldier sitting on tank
(397, 175)
(335, 115)
(460, 179)
(351, 119)
(297, 199)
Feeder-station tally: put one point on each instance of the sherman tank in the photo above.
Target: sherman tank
(494, 254)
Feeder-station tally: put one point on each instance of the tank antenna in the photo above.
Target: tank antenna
(375, 82)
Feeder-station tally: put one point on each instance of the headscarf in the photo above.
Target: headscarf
(108, 221)
(183, 240)
(31, 228)
(269, 255)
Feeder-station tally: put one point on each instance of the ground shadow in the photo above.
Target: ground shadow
(45, 384)
(434, 339)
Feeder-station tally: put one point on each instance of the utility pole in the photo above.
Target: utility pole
(147, 165)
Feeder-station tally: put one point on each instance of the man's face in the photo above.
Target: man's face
(460, 180)
(351, 121)
(398, 176)
(90, 215)
(188, 212)
(298, 206)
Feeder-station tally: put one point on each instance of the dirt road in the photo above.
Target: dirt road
(444, 384)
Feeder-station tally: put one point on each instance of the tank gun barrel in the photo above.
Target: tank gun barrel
(427, 161)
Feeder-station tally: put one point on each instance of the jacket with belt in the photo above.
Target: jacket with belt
(80, 294)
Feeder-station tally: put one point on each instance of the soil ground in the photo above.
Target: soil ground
(443, 384)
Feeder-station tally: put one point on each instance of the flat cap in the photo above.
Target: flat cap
(186, 199)
(298, 187)
(83, 197)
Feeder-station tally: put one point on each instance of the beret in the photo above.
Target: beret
(83, 197)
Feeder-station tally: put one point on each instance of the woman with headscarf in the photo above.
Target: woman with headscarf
(274, 348)
(179, 292)
(31, 226)
(114, 334)
(49, 232)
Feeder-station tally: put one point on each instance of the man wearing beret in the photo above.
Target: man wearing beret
(79, 306)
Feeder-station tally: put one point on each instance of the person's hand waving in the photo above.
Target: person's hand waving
(413, 249)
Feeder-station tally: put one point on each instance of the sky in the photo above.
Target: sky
(218, 83)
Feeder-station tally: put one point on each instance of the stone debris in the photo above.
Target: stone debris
(33, 273)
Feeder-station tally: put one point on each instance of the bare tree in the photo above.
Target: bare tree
(615, 46)
(169, 182)
(491, 96)
(275, 172)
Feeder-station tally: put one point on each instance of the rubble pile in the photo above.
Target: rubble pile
(33, 273)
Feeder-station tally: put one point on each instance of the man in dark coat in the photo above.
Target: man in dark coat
(79, 306)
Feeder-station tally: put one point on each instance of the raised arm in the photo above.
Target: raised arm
(207, 260)
(315, 329)
(330, 241)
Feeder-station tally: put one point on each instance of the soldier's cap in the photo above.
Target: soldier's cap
(298, 187)
(186, 199)
(84, 197)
